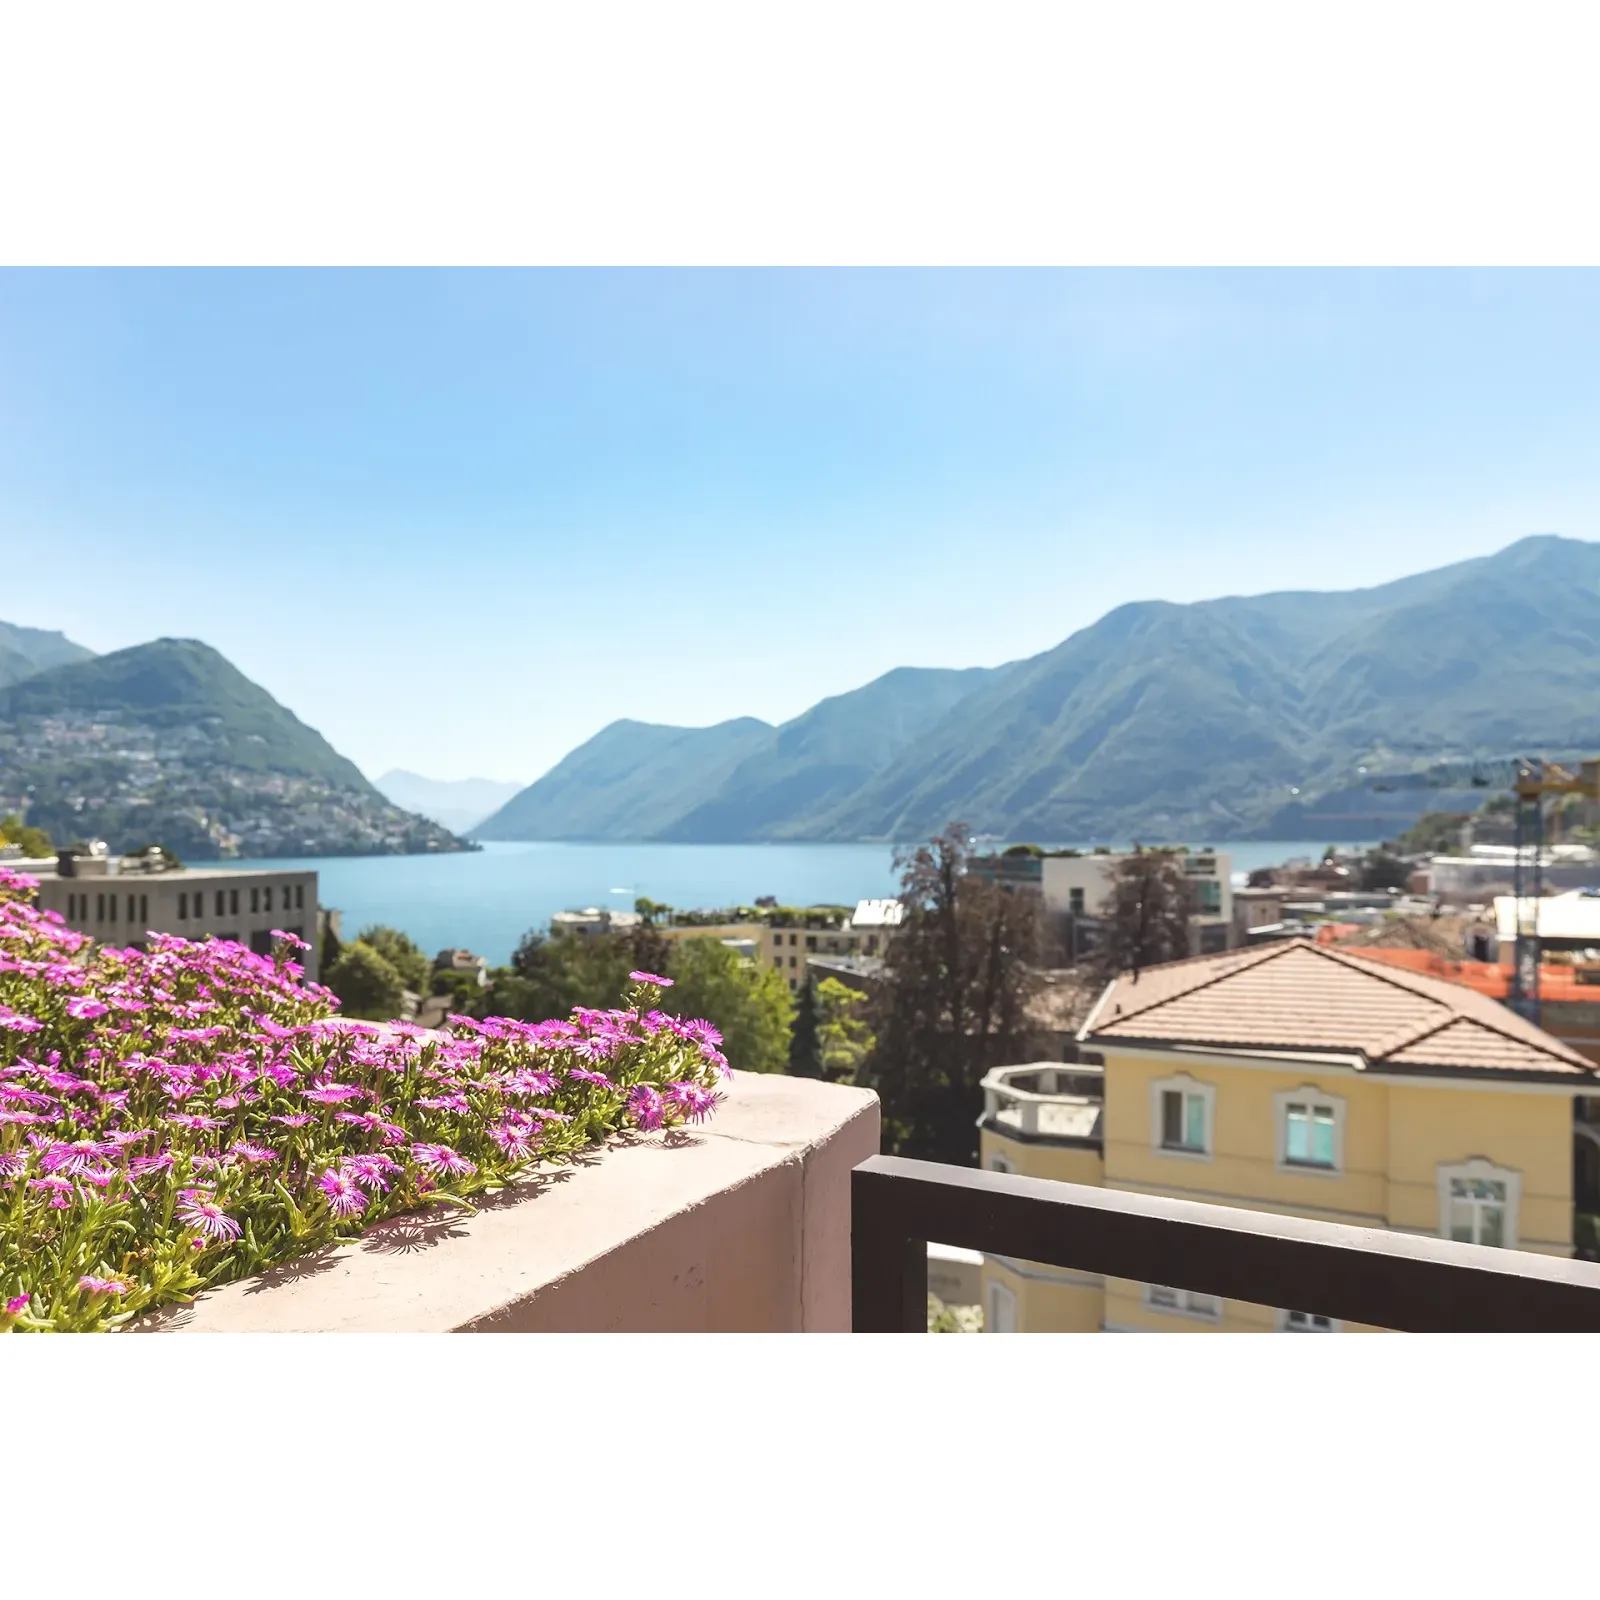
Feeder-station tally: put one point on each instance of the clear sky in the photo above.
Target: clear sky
(458, 521)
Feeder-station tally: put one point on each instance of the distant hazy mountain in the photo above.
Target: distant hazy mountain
(25, 651)
(169, 743)
(1280, 715)
(458, 804)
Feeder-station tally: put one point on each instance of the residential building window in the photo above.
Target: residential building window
(299, 897)
(792, 961)
(1181, 1116)
(222, 904)
(112, 907)
(811, 941)
(1478, 1203)
(1305, 1322)
(1310, 1130)
(233, 902)
(1002, 1316)
(999, 1162)
(1075, 902)
(183, 907)
(255, 901)
(777, 961)
(266, 897)
(144, 908)
(1182, 1302)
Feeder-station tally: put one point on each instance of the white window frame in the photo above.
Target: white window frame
(999, 1295)
(1482, 1168)
(1286, 1325)
(999, 1161)
(1309, 1094)
(1183, 1084)
(1183, 1303)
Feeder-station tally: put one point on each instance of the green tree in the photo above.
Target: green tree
(1146, 917)
(366, 983)
(401, 953)
(749, 1003)
(844, 1036)
(958, 977)
(805, 1056)
(34, 842)
(1383, 871)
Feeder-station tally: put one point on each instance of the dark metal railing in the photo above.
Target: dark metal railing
(1370, 1275)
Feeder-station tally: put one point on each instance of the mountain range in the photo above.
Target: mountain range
(1291, 716)
(459, 804)
(169, 743)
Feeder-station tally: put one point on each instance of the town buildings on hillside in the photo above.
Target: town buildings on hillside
(1300, 1079)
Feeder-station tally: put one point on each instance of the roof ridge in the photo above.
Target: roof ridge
(1248, 960)
(1528, 1034)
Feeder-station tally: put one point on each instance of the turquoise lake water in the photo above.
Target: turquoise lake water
(486, 900)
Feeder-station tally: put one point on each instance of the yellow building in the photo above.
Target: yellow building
(1299, 1079)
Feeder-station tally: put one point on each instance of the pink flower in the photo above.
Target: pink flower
(651, 977)
(162, 1161)
(85, 1008)
(441, 1158)
(332, 1094)
(289, 939)
(17, 1304)
(517, 1135)
(370, 1171)
(184, 1119)
(60, 1191)
(345, 1198)
(584, 1075)
(79, 1156)
(646, 1107)
(102, 1285)
(295, 1119)
(696, 1103)
(14, 1022)
(11, 1163)
(199, 1211)
(251, 1154)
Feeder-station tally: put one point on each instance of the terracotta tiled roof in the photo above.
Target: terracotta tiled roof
(1298, 996)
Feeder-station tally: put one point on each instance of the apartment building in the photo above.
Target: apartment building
(785, 944)
(122, 901)
(1304, 1080)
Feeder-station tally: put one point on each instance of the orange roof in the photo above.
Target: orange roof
(1297, 996)
(1556, 983)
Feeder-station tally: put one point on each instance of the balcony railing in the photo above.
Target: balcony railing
(1044, 1101)
(1369, 1275)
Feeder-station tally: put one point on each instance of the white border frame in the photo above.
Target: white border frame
(1182, 1083)
(1483, 1167)
(1312, 1094)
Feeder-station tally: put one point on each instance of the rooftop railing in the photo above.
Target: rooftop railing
(1369, 1275)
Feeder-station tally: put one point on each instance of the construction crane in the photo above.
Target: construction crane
(1534, 781)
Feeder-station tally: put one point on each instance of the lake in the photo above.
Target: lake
(486, 900)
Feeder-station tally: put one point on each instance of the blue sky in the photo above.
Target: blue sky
(458, 521)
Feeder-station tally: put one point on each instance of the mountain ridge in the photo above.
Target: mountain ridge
(1231, 714)
(168, 742)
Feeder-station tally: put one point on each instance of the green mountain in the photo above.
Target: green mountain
(738, 780)
(1292, 715)
(633, 780)
(25, 651)
(169, 743)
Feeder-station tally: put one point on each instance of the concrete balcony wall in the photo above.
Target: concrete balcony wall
(739, 1226)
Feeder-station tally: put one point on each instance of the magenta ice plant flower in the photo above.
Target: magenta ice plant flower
(200, 1211)
(93, 1285)
(651, 978)
(343, 1193)
(646, 1107)
(441, 1158)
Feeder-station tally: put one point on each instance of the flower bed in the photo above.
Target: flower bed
(181, 1117)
